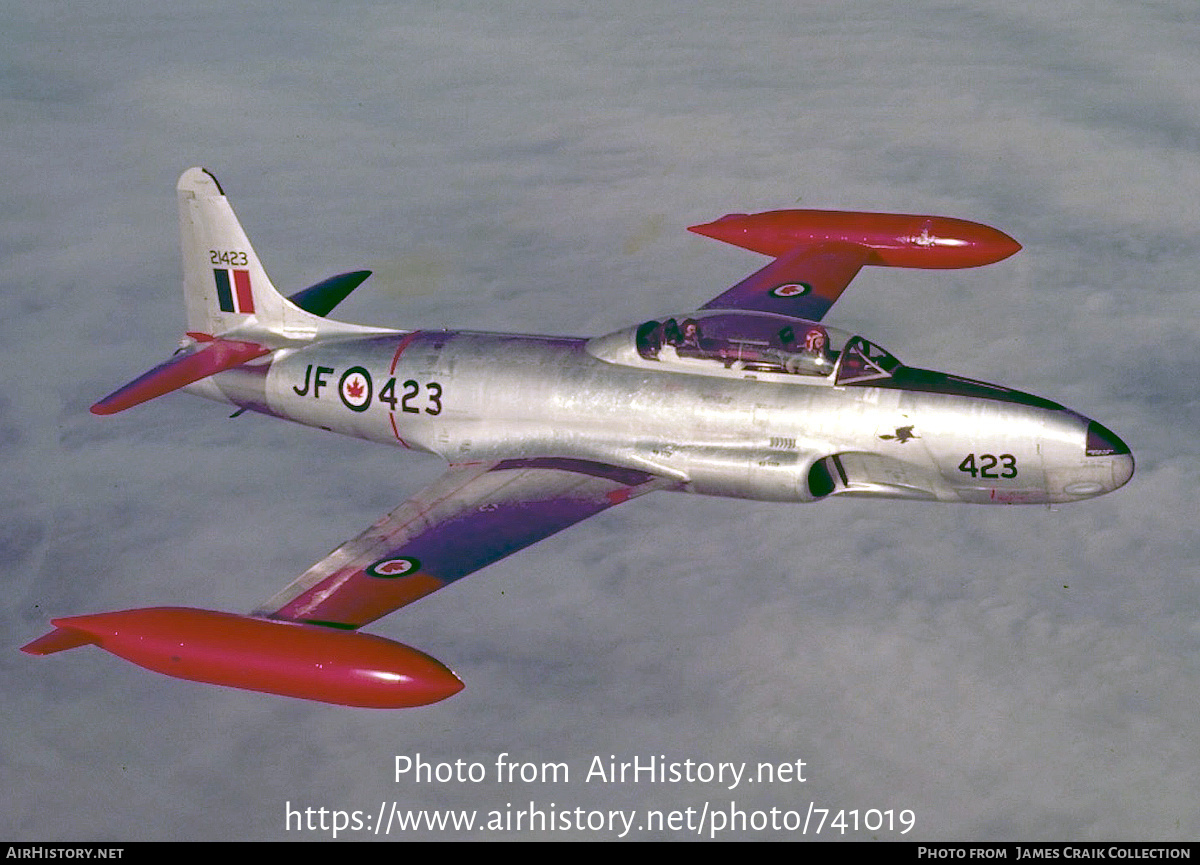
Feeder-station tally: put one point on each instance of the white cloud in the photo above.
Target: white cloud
(1010, 673)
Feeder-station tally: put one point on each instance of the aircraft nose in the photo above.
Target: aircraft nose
(1103, 442)
(1103, 463)
(1122, 470)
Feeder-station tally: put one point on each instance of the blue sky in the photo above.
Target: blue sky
(1003, 673)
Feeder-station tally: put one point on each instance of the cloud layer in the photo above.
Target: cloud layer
(1009, 673)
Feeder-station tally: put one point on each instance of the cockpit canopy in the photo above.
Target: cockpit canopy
(740, 343)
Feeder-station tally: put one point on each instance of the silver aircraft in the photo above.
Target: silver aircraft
(752, 396)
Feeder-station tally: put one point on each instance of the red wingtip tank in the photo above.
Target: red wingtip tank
(295, 660)
(896, 239)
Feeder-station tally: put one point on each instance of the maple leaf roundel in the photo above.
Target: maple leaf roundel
(355, 388)
(391, 568)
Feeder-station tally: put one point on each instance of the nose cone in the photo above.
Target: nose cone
(1105, 465)
(1000, 246)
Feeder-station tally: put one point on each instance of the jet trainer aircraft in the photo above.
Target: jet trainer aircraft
(752, 396)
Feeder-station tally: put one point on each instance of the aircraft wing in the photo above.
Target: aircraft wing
(473, 515)
(803, 282)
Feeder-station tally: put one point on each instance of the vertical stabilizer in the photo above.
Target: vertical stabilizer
(224, 284)
(234, 313)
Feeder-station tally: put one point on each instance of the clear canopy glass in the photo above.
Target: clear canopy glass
(764, 342)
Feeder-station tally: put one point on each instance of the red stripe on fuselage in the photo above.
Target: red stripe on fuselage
(400, 349)
(403, 344)
(396, 432)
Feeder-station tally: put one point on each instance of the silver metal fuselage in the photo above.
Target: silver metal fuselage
(714, 429)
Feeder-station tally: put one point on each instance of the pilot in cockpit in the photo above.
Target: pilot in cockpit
(689, 339)
(670, 333)
(816, 342)
(684, 338)
(811, 355)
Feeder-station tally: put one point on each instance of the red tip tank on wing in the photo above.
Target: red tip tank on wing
(897, 239)
(295, 660)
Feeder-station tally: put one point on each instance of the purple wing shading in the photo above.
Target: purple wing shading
(803, 283)
(472, 516)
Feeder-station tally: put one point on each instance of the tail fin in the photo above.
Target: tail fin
(234, 313)
(225, 286)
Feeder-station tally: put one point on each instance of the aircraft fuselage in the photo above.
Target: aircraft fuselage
(471, 397)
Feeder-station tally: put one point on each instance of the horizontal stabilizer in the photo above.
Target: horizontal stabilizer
(187, 367)
(322, 298)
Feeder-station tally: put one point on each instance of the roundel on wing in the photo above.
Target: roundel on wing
(791, 289)
(355, 388)
(399, 566)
